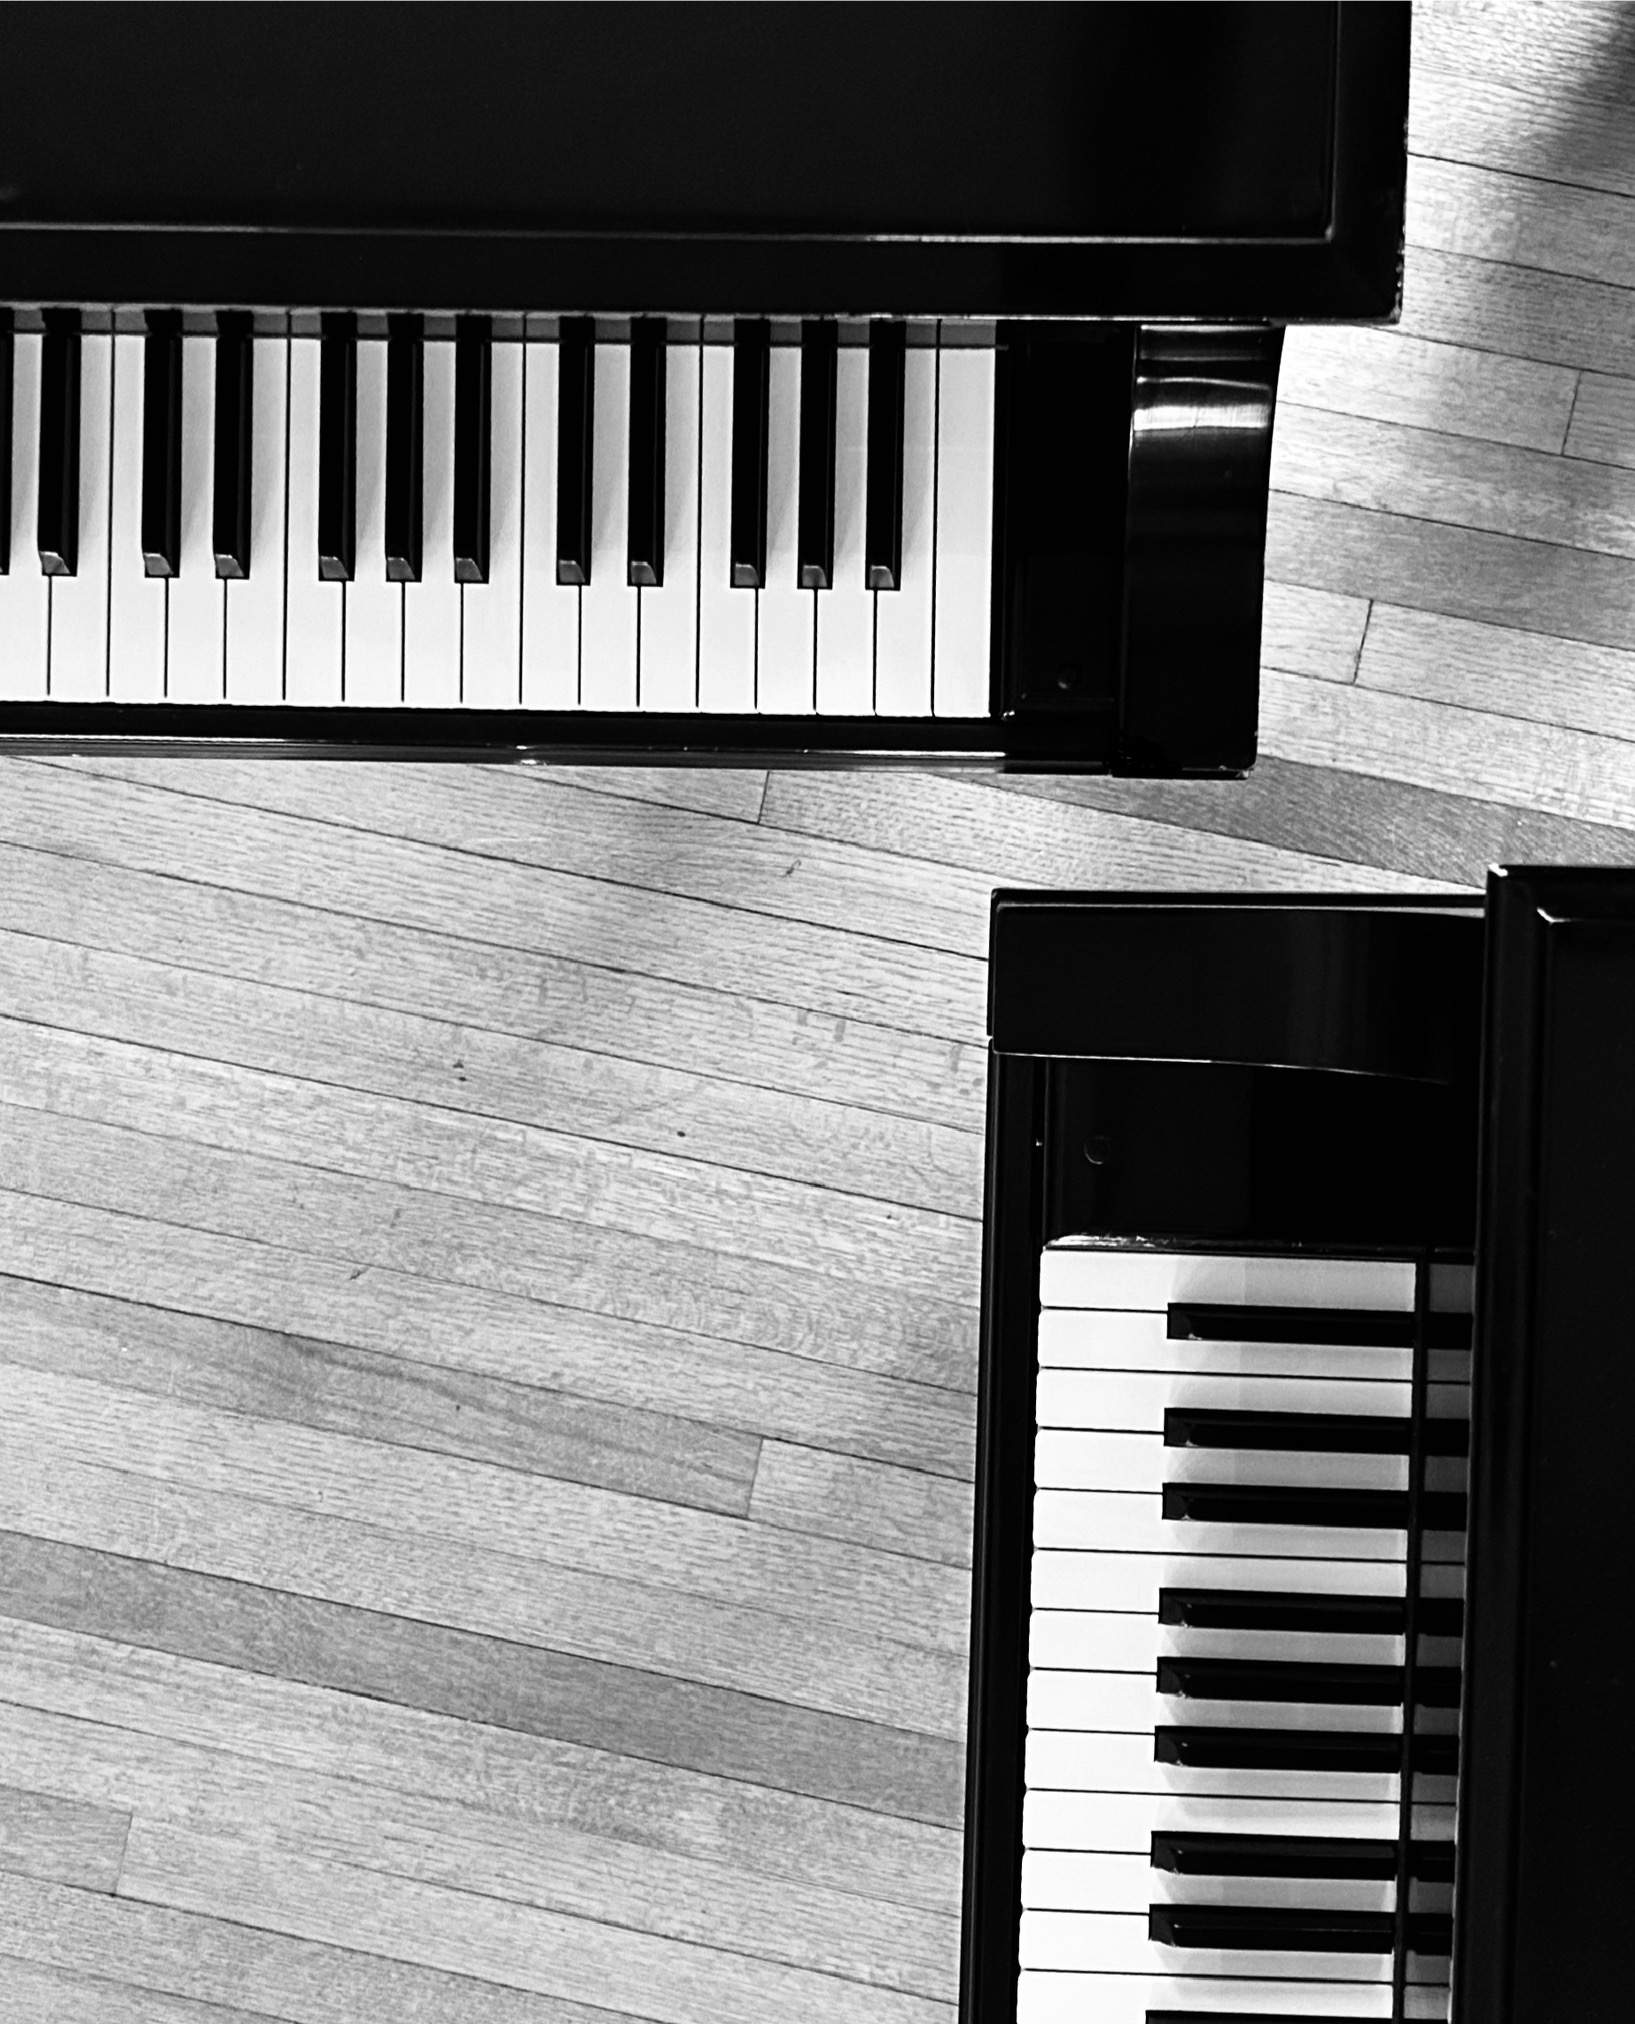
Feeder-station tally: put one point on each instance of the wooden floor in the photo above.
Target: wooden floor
(488, 1331)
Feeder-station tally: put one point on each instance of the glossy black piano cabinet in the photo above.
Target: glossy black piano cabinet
(1214, 162)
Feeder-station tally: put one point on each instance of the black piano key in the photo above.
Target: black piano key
(1280, 1504)
(473, 429)
(645, 547)
(751, 376)
(58, 524)
(815, 535)
(1365, 1328)
(576, 415)
(1271, 1609)
(1302, 1855)
(162, 444)
(1272, 1929)
(883, 523)
(1308, 1615)
(1273, 1680)
(5, 441)
(230, 507)
(405, 448)
(1228, 1749)
(1312, 1433)
(1222, 1749)
(338, 448)
(1211, 1679)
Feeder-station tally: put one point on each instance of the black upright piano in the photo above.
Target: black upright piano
(1302, 1643)
(776, 382)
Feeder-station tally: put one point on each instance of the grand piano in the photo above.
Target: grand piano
(1301, 1653)
(768, 383)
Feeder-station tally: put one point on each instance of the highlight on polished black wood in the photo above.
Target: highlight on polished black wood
(934, 385)
(1259, 1691)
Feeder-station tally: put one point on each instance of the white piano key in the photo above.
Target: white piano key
(1083, 1880)
(25, 597)
(726, 617)
(609, 603)
(1070, 1760)
(374, 605)
(1135, 1400)
(79, 603)
(314, 614)
(1125, 1641)
(1081, 1276)
(1126, 1521)
(1117, 1943)
(1098, 1339)
(550, 610)
(961, 618)
(1073, 1998)
(1134, 1581)
(491, 655)
(785, 615)
(1075, 1459)
(845, 613)
(902, 635)
(431, 607)
(255, 605)
(1129, 1703)
(195, 662)
(1113, 1822)
(136, 601)
(667, 675)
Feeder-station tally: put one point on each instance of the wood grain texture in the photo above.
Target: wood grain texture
(489, 1258)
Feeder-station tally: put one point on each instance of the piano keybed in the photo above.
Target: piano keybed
(794, 526)
(1247, 1561)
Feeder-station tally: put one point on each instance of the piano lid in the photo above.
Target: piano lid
(979, 160)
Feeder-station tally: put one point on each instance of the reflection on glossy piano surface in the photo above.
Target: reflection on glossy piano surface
(692, 381)
(1274, 1715)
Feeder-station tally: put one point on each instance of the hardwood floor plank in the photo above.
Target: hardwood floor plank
(230, 1149)
(30, 1994)
(1497, 669)
(534, 1781)
(725, 1383)
(74, 813)
(556, 1695)
(388, 1400)
(415, 1494)
(1306, 632)
(1024, 841)
(839, 1497)
(524, 819)
(596, 1096)
(517, 1946)
(1380, 375)
(1525, 221)
(1551, 319)
(59, 1838)
(464, 1846)
(205, 1959)
(739, 1646)
(1603, 424)
(1571, 52)
(1533, 586)
(1436, 745)
(1429, 475)
(200, 930)
(733, 791)
(1461, 115)
(1417, 831)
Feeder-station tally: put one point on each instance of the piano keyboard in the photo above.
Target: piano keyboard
(746, 520)
(1215, 1819)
